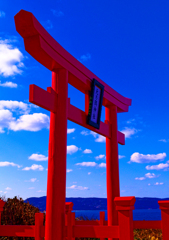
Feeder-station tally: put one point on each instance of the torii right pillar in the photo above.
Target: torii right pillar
(112, 166)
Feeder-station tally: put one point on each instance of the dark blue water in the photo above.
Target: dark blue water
(138, 214)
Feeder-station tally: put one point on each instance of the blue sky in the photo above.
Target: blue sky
(123, 43)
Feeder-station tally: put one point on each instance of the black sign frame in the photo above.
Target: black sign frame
(91, 102)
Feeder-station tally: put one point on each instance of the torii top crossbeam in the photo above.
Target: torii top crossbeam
(66, 69)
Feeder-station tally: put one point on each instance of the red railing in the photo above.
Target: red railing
(93, 229)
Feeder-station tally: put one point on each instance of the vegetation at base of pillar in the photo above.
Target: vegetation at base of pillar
(16, 212)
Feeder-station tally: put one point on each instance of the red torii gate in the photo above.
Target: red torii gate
(66, 69)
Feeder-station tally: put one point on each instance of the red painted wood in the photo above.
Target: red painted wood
(17, 231)
(112, 168)
(46, 100)
(147, 224)
(56, 180)
(87, 222)
(164, 206)
(45, 49)
(96, 231)
(38, 225)
(2, 203)
(125, 206)
(102, 220)
(42, 98)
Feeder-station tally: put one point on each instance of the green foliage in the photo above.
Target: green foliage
(16, 212)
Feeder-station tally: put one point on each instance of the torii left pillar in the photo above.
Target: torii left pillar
(56, 101)
(56, 180)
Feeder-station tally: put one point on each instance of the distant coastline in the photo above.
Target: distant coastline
(96, 203)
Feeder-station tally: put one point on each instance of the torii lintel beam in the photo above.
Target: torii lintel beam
(46, 100)
(46, 50)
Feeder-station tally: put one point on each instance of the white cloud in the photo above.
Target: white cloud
(158, 167)
(5, 119)
(141, 158)
(87, 151)
(34, 167)
(89, 173)
(38, 157)
(57, 13)
(157, 183)
(70, 130)
(85, 57)
(151, 175)
(2, 14)
(41, 191)
(129, 132)
(101, 156)
(31, 180)
(48, 24)
(30, 122)
(72, 149)
(147, 175)
(85, 133)
(8, 84)
(10, 59)
(13, 105)
(94, 134)
(7, 164)
(121, 156)
(100, 139)
(78, 187)
(103, 165)
(87, 164)
(69, 170)
(163, 140)
(8, 188)
(149, 184)
(140, 178)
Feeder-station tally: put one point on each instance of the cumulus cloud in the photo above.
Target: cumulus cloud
(30, 122)
(101, 156)
(34, 167)
(2, 14)
(100, 139)
(140, 178)
(7, 164)
(102, 165)
(10, 59)
(151, 175)
(147, 175)
(8, 188)
(69, 170)
(72, 149)
(87, 164)
(31, 180)
(87, 151)
(13, 105)
(5, 119)
(89, 173)
(57, 13)
(157, 183)
(75, 187)
(8, 84)
(160, 166)
(38, 157)
(163, 140)
(129, 132)
(70, 130)
(85, 133)
(85, 57)
(141, 158)
(121, 156)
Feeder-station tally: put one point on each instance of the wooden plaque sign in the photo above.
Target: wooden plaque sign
(95, 104)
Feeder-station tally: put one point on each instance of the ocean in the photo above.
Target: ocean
(138, 214)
